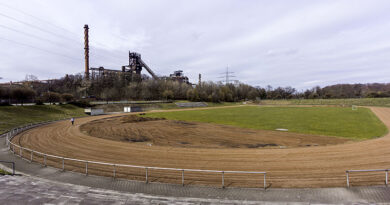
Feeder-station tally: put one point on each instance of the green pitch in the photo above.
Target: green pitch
(330, 121)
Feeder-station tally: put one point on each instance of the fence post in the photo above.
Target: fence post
(44, 160)
(223, 179)
(146, 181)
(182, 177)
(31, 157)
(387, 176)
(86, 168)
(13, 168)
(114, 171)
(20, 152)
(265, 182)
(347, 178)
(63, 164)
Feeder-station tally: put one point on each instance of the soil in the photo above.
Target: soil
(313, 166)
(161, 132)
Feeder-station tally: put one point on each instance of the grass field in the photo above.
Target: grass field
(331, 121)
(13, 116)
(158, 106)
(209, 104)
(383, 102)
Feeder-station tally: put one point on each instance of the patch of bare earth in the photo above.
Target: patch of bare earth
(161, 132)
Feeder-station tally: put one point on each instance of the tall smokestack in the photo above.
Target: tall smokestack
(200, 79)
(86, 51)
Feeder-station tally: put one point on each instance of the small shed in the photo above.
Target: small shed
(132, 109)
(94, 111)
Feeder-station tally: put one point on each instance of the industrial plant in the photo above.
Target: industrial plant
(131, 72)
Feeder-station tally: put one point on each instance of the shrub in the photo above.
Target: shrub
(38, 102)
(5, 103)
(66, 97)
(51, 97)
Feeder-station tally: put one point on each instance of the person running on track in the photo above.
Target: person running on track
(72, 120)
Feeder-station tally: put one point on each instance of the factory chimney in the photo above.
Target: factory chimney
(86, 51)
(200, 79)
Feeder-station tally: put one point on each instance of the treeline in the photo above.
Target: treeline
(117, 87)
(373, 90)
(21, 95)
(16, 95)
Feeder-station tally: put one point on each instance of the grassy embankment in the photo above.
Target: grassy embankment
(157, 106)
(331, 121)
(13, 116)
(383, 102)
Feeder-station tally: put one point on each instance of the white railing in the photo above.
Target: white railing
(12, 146)
(369, 170)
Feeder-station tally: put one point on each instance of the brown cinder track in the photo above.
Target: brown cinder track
(322, 166)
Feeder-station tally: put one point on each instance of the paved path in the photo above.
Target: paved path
(46, 185)
(27, 190)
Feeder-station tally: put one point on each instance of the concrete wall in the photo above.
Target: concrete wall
(94, 111)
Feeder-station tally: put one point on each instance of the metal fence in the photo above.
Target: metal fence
(369, 170)
(32, 153)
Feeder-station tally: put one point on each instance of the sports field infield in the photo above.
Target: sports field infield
(331, 121)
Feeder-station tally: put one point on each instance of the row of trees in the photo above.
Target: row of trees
(27, 95)
(114, 86)
(373, 90)
(19, 95)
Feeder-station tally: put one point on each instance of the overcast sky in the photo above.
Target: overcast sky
(278, 43)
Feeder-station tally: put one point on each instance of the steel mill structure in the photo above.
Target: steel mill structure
(131, 71)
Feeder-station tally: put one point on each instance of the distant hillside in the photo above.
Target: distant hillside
(357, 90)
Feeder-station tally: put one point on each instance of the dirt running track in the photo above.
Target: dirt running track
(322, 166)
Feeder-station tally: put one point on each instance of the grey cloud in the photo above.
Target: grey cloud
(280, 43)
